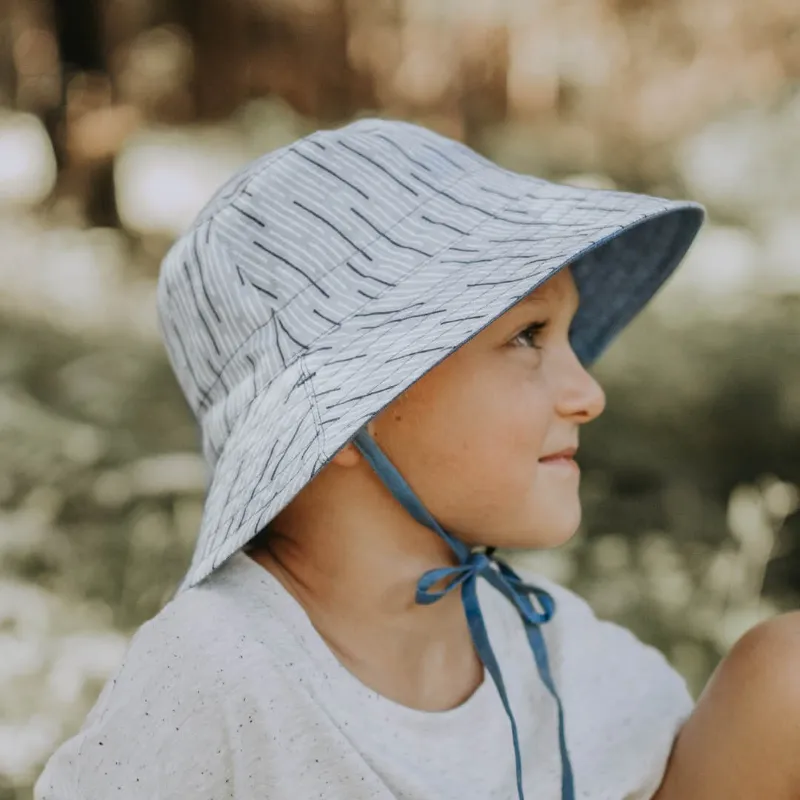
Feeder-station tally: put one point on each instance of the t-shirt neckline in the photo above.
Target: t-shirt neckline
(298, 624)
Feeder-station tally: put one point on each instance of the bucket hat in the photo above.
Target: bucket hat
(328, 276)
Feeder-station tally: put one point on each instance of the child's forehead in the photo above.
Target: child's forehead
(560, 289)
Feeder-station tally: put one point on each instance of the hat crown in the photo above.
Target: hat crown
(256, 282)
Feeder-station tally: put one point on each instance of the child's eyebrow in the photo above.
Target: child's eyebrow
(534, 298)
(537, 298)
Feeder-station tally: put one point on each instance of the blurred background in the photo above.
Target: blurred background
(118, 118)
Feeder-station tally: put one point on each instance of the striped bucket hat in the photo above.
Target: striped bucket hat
(328, 276)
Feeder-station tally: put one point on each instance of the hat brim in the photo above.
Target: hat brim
(620, 258)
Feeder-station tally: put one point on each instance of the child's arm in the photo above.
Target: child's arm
(743, 740)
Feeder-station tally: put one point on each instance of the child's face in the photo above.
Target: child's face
(472, 437)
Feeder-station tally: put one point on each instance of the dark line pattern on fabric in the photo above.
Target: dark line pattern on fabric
(202, 279)
(324, 392)
(388, 238)
(200, 314)
(503, 257)
(460, 319)
(246, 279)
(278, 339)
(233, 484)
(402, 319)
(443, 156)
(307, 448)
(201, 400)
(330, 172)
(249, 216)
(522, 240)
(322, 316)
(498, 283)
(489, 190)
(252, 362)
(345, 360)
(420, 164)
(403, 356)
(453, 228)
(333, 228)
(350, 400)
(465, 204)
(293, 266)
(371, 277)
(361, 314)
(288, 447)
(257, 483)
(287, 332)
(380, 167)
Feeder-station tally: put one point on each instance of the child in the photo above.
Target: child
(384, 338)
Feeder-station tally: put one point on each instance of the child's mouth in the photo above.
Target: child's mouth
(565, 459)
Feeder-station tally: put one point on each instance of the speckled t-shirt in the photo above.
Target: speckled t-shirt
(229, 693)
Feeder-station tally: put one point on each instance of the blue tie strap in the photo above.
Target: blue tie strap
(464, 575)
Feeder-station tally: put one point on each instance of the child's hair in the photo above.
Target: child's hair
(259, 542)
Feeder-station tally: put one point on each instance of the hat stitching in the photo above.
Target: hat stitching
(308, 388)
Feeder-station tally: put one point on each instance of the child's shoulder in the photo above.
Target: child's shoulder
(581, 641)
(572, 611)
(624, 701)
(201, 643)
(163, 724)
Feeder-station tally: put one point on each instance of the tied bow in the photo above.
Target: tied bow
(464, 575)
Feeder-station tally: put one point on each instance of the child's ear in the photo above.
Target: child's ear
(348, 456)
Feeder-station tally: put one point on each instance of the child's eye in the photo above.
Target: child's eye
(530, 336)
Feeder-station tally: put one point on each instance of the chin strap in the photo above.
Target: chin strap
(465, 574)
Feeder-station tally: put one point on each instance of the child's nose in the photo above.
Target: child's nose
(582, 397)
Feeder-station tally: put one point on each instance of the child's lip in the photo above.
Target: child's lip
(568, 453)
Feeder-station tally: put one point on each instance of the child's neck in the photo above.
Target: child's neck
(360, 596)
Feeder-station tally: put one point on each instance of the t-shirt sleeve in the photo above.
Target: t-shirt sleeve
(159, 731)
(623, 700)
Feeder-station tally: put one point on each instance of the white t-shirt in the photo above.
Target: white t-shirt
(230, 693)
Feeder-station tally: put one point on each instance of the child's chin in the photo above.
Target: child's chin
(540, 539)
